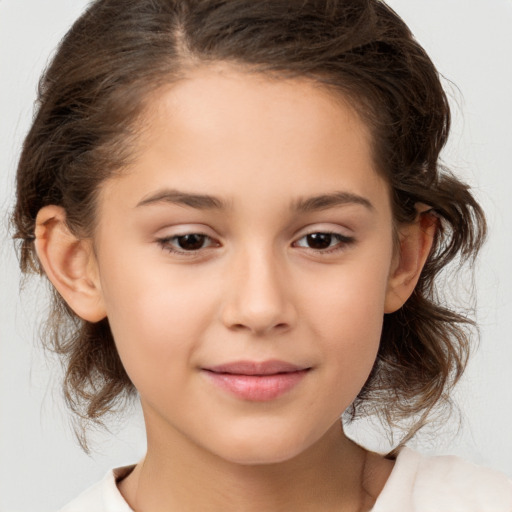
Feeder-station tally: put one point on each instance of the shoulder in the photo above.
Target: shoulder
(103, 496)
(443, 483)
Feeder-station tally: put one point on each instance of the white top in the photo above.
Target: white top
(416, 484)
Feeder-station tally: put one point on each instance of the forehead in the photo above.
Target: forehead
(234, 96)
(223, 131)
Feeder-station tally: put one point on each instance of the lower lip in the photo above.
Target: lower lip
(257, 388)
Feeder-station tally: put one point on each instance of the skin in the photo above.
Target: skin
(255, 290)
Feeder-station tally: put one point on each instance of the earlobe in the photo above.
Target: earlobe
(414, 247)
(69, 263)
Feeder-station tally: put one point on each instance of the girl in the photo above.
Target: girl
(240, 207)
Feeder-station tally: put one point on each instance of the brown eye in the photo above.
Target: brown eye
(324, 241)
(191, 242)
(319, 240)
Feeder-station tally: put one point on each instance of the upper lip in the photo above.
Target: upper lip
(270, 367)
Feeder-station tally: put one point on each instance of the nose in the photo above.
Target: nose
(258, 294)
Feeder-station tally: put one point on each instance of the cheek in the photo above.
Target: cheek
(156, 319)
(347, 314)
(351, 298)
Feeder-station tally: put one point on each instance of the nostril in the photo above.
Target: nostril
(282, 326)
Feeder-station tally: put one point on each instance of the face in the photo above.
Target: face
(243, 261)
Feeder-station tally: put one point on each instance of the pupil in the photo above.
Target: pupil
(191, 242)
(319, 240)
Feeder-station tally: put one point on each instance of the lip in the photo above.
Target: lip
(256, 381)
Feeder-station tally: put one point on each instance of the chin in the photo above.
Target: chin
(262, 448)
(259, 457)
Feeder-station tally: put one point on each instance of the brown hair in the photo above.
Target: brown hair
(119, 50)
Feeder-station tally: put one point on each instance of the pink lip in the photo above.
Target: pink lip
(256, 381)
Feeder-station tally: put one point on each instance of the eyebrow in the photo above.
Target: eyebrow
(199, 201)
(301, 205)
(326, 201)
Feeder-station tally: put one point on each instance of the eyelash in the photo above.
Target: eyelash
(342, 242)
(166, 243)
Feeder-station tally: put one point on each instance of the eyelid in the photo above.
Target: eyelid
(166, 244)
(165, 241)
(344, 239)
(171, 233)
(324, 227)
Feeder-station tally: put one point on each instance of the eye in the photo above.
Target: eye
(189, 242)
(323, 241)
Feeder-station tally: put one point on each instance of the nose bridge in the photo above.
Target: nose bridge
(258, 299)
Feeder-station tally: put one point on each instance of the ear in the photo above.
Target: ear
(69, 263)
(415, 243)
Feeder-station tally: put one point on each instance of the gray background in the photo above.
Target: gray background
(41, 466)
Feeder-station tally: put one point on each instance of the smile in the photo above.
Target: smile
(256, 382)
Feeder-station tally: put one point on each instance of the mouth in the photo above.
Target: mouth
(256, 381)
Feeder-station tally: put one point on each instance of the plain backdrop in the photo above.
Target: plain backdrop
(41, 465)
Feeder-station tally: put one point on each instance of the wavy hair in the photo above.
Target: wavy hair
(94, 91)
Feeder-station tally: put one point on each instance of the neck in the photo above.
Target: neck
(182, 476)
